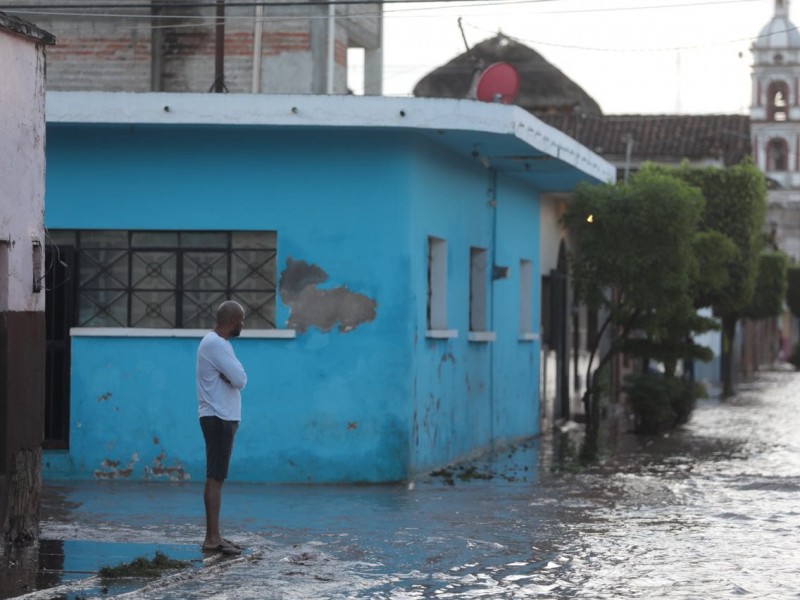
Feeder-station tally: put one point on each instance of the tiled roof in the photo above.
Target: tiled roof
(660, 137)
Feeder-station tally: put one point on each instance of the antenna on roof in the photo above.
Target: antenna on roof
(464, 37)
(477, 63)
(497, 82)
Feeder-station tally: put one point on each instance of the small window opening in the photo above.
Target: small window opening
(437, 283)
(778, 101)
(477, 289)
(525, 296)
(777, 155)
(355, 71)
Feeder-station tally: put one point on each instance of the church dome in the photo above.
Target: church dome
(780, 32)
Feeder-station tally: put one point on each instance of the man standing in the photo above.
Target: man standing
(220, 379)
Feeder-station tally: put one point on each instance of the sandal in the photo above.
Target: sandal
(226, 548)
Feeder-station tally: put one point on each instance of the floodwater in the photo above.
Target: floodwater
(712, 511)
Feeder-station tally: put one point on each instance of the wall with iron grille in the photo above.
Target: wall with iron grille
(356, 390)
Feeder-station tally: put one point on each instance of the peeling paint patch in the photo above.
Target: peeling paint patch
(322, 308)
(156, 442)
(352, 425)
(104, 397)
(109, 469)
(158, 471)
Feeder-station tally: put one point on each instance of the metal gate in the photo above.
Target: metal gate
(60, 315)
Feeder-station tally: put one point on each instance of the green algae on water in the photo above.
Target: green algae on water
(144, 567)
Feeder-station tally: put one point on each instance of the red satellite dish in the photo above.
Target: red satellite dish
(499, 82)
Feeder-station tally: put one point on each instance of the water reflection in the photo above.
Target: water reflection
(25, 569)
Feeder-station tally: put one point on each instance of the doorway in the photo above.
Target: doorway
(59, 317)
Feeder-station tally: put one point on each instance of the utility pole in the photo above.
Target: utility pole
(628, 151)
(329, 87)
(219, 50)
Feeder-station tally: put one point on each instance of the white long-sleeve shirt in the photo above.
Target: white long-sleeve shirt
(215, 396)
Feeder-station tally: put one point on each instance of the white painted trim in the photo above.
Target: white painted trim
(278, 334)
(482, 336)
(529, 336)
(422, 114)
(441, 334)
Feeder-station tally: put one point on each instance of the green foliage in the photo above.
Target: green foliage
(636, 261)
(793, 289)
(144, 567)
(771, 285)
(638, 243)
(713, 251)
(735, 206)
(661, 403)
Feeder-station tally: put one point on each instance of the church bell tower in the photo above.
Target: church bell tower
(775, 124)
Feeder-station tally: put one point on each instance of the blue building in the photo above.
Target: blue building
(387, 251)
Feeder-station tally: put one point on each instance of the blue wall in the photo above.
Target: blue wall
(468, 395)
(374, 404)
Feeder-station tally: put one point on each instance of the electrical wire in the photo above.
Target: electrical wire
(50, 9)
(661, 49)
(211, 20)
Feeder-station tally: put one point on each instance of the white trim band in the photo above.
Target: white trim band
(482, 336)
(441, 334)
(529, 336)
(280, 334)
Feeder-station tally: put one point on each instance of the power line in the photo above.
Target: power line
(228, 4)
(31, 9)
(210, 20)
(663, 49)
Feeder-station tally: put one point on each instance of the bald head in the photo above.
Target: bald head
(230, 319)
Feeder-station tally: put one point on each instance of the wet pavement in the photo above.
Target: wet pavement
(711, 511)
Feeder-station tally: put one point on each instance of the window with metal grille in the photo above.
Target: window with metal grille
(171, 279)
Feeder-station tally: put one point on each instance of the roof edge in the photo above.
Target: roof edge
(375, 112)
(25, 29)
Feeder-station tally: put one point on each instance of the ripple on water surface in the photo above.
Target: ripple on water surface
(709, 512)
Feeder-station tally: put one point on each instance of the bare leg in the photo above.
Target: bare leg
(212, 498)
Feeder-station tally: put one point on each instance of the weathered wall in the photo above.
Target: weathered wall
(356, 396)
(21, 309)
(121, 50)
(329, 405)
(21, 169)
(469, 395)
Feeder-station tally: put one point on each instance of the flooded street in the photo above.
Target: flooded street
(712, 511)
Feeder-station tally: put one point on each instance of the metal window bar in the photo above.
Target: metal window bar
(261, 264)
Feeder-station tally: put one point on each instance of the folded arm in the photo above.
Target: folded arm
(230, 370)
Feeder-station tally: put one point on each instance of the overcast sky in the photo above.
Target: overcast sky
(631, 56)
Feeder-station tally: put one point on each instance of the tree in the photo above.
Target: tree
(735, 206)
(793, 289)
(793, 302)
(633, 263)
(770, 288)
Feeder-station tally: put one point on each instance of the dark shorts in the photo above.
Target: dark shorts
(219, 445)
